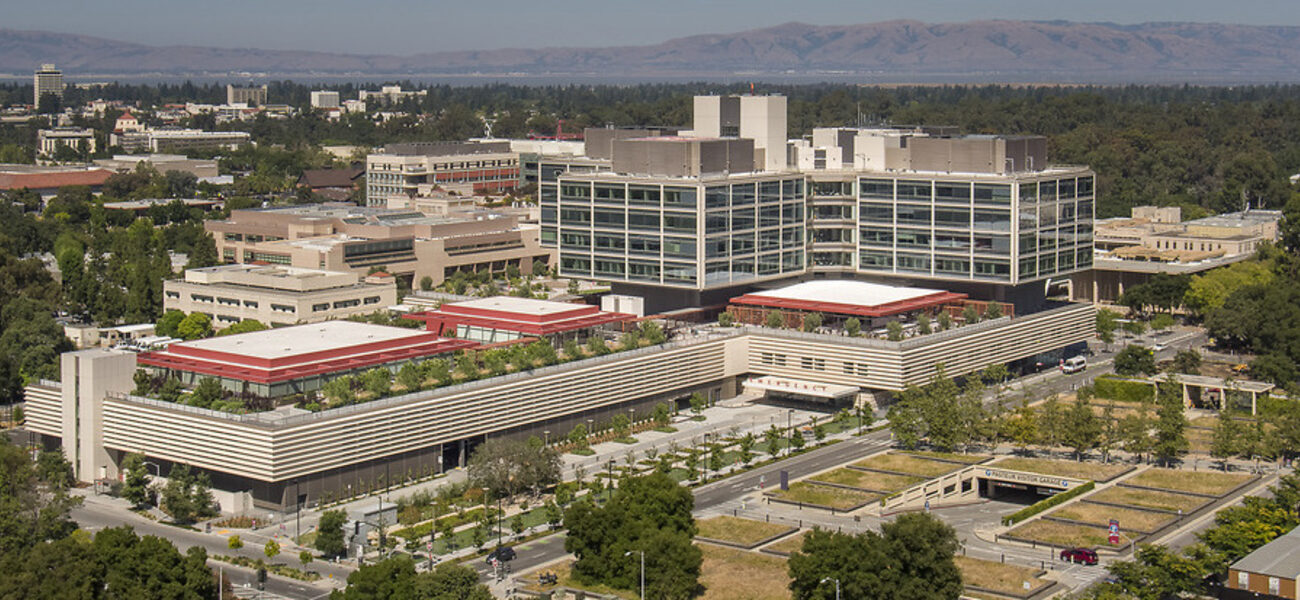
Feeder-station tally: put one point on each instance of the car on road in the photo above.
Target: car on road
(1159, 347)
(502, 554)
(1083, 556)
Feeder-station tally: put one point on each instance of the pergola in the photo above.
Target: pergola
(1220, 384)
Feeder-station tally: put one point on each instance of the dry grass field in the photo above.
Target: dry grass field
(867, 480)
(745, 532)
(1198, 482)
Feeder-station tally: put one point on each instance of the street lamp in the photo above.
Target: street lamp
(297, 514)
(547, 433)
(610, 480)
(789, 432)
(157, 470)
(837, 585)
(642, 553)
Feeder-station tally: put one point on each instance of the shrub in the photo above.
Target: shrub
(1121, 391)
(1047, 503)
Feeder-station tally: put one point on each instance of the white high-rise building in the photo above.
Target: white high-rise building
(324, 99)
(48, 80)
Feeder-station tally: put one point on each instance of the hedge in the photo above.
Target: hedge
(1122, 391)
(1047, 503)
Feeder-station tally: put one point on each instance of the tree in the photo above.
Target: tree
(271, 549)
(329, 533)
(507, 467)
(697, 403)
(305, 557)
(1187, 362)
(203, 253)
(187, 496)
(1171, 422)
(206, 392)
(426, 283)
(912, 557)
(812, 321)
(945, 321)
(194, 326)
(517, 524)
(135, 485)
(774, 319)
(1135, 433)
(725, 319)
(1022, 427)
(1107, 323)
(1082, 429)
(410, 376)
(451, 581)
(969, 315)
(993, 311)
(235, 542)
(245, 326)
(167, 324)
(378, 381)
(894, 331)
(1226, 441)
(578, 435)
(1135, 360)
(853, 326)
(650, 514)
(923, 326)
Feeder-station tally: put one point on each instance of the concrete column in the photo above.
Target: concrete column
(1253, 398)
(88, 376)
(1187, 397)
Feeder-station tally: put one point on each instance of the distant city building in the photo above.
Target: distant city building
(1157, 240)
(401, 168)
(82, 140)
(179, 140)
(46, 180)
(200, 168)
(250, 95)
(47, 80)
(142, 206)
(334, 184)
(90, 336)
(324, 99)
(277, 295)
(390, 94)
(127, 123)
(408, 244)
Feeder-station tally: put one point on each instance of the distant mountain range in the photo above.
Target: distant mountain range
(894, 51)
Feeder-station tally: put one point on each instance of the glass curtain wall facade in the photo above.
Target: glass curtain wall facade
(692, 233)
(1004, 231)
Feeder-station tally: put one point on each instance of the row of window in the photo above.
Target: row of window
(981, 193)
(666, 271)
(812, 363)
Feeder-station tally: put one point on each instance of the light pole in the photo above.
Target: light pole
(610, 481)
(157, 470)
(789, 432)
(547, 433)
(297, 513)
(642, 553)
(837, 585)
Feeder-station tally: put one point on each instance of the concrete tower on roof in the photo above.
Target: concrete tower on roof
(760, 118)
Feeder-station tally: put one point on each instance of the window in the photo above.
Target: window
(607, 242)
(1065, 189)
(716, 197)
(958, 266)
(877, 188)
(609, 267)
(992, 244)
(1027, 267)
(913, 239)
(642, 195)
(372, 300)
(1243, 580)
(320, 307)
(952, 241)
(606, 217)
(772, 358)
(952, 217)
(996, 220)
(576, 240)
(284, 308)
(875, 260)
(1047, 264)
(1083, 187)
(640, 219)
(575, 216)
(913, 190)
(608, 192)
(571, 191)
(909, 214)
(347, 303)
(991, 193)
(1028, 192)
(913, 262)
(952, 192)
(873, 212)
(173, 295)
(769, 216)
(679, 223)
(810, 363)
(680, 197)
(742, 195)
(645, 271)
(575, 265)
(679, 273)
(641, 244)
(200, 298)
(999, 269)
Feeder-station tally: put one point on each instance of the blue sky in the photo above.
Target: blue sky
(412, 26)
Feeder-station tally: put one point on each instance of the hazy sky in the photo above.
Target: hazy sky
(412, 26)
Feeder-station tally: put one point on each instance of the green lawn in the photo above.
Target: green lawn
(1061, 534)
(868, 480)
(744, 532)
(824, 495)
(1214, 483)
(1170, 501)
(907, 463)
(1062, 468)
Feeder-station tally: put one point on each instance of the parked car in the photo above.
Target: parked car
(502, 554)
(1079, 556)
(1160, 346)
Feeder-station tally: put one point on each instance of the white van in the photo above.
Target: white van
(1074, 364)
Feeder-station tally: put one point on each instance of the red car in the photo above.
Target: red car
(1080, 556)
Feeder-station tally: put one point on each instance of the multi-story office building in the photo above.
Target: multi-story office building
(276, 295)
(401, 168)
(178, 140)
(253, 95)
(984, 215)
(681, 221)
(47, 80)
(408, 244)
(48, 141)
(324, 99)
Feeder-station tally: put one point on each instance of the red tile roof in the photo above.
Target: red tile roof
(48, 181)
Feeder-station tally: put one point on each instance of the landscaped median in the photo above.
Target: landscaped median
(920, 465)
(869, 481)
(1046, 503)
(1000, 578)
(1088, 471)
(1206, 483)
(742, 533)
(805, 493)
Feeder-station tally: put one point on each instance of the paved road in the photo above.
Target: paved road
(99, 512)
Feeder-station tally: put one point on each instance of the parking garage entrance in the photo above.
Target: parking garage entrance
(784, 390)
(1020, 487)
